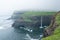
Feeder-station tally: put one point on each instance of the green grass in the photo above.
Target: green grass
(37, 13)
(28, 14)
(56, 35)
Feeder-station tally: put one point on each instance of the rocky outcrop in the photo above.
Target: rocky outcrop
(53, 25)
(35, 22)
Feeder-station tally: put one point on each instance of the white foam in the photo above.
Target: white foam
(41, 36)
(41, 27)
(29, 38)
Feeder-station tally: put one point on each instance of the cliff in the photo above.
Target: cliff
(53, 31)
(32, 21)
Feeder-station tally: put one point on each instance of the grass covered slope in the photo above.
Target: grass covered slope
(28, 14)
(56, 35)
(37, 13)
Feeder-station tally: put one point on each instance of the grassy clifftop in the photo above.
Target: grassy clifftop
(28, 14)
(56, 35)
(37, 13)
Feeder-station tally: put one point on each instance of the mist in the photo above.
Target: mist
(7, 7)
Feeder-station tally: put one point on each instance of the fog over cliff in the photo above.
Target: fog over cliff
(7, 7)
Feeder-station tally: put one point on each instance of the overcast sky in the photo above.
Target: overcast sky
(8, 6)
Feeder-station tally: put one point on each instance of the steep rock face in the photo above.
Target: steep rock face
(35, 22)
(53, 25)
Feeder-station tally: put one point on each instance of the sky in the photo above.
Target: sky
(7, 7)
